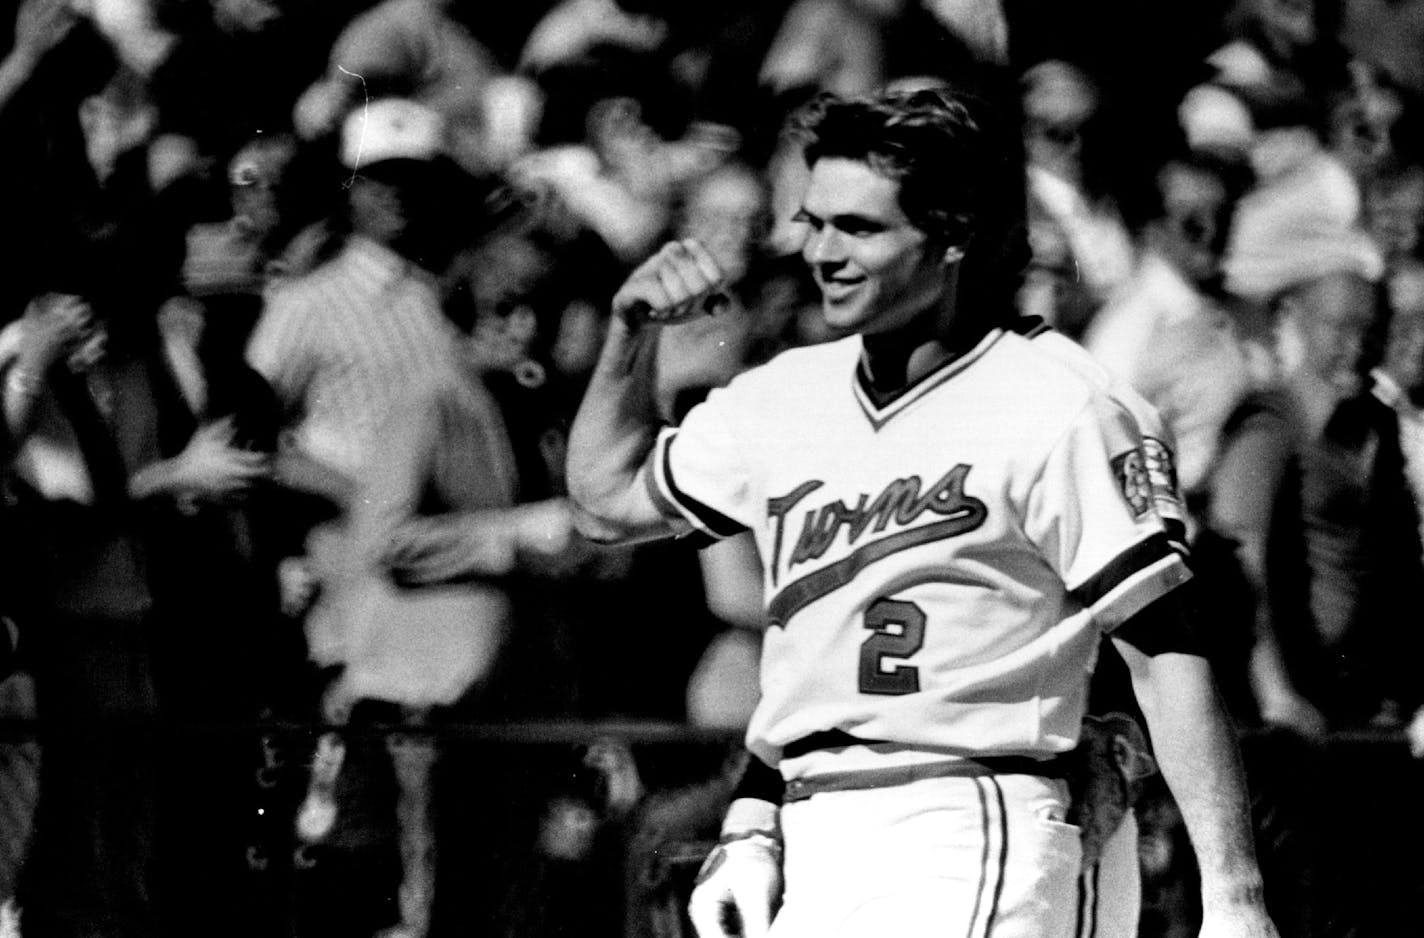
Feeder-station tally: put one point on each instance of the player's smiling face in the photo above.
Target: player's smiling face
(876, 270)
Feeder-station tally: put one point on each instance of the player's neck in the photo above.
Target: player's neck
(897, 359)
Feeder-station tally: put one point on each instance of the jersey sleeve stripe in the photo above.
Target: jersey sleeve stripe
(1177, 535)
(1140, 555)
(705, 519)
(1138, 590)
(694, 537)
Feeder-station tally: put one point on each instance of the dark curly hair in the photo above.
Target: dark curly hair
(958, 160)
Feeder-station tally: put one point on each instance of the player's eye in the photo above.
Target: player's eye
(859, 227)
(806, 218)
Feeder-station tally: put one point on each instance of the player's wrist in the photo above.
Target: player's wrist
(1231, 893)
(750, 819)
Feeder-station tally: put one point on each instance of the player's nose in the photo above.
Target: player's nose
(826, 246)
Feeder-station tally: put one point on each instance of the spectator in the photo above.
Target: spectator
(350, 349)
(1368, 125)
(441, 487)
(19, 775)
(373, 300)
(411, 49)
(1394, 212)
(281, 227)
(1081, 247)
(1326, 651)
(616, 144)
(1280, 58)
(1398, 382)
(209, 100)
(107, 465)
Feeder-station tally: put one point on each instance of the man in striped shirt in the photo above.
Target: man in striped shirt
(349, 348)
(340, 345)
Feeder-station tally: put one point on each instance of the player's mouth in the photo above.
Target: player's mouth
(838, 289)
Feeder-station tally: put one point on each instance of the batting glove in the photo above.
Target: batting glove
(738, 889)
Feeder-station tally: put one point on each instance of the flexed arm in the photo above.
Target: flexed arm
(618, 420)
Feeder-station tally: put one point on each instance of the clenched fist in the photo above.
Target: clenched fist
(680, 281)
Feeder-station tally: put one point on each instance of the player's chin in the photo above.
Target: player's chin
(845, 313)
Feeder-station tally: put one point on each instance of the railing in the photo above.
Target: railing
(1338, 829)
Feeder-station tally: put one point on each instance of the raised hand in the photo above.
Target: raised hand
(447, 548)
(680, 281)
(41, 25)
(210, 466)
(55, 325)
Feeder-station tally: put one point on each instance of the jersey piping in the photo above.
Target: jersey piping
(705, 519)
(1132, 580)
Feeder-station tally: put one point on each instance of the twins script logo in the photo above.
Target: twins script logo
(900, 503)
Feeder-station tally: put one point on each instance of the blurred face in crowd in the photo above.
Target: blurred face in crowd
(1394, 212)
(1361, 124)
(1191, 233)
(388, 199)
(567, 829)
(726, 212)
(1323, 324)
(505, 276)
(378, 210)
(1404, 352)
(1287, 26)
(245, 16)
(1058, 100)
(110, 129)
(254, 179)
(877, 272)
(580, 335)
(623, 141)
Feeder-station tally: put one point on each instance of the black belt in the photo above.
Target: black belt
(1051, 767)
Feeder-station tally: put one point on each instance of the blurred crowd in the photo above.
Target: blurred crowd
(299, 303)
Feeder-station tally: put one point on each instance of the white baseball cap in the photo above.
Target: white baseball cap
(391, 129)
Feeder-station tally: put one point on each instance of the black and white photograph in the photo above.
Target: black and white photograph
(741, 469)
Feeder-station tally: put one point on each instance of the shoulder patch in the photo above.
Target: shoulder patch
(1134, 480)
(1161, 468)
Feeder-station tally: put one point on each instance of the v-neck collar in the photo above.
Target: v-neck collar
(879, 412)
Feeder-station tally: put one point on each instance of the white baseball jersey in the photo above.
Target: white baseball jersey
(1159, 445)
(938, 568)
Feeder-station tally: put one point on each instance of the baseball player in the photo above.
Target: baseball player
(1112, 756)
(949, 518)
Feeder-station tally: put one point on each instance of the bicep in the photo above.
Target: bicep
(732, 579)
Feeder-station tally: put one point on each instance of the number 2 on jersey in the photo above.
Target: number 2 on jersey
(899, 629)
